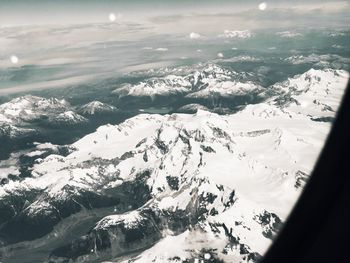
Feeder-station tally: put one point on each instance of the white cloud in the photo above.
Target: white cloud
(326, 7)
(52, 84)
(162, 49)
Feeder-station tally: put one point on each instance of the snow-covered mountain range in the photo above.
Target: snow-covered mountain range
(199, 186)
(30, 108)
(23, 115)
(203, 83)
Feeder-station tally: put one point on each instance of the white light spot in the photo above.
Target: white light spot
(92, 250)
(112, 17)
(220, 55)
(194, 35)
(262, 6)
(14, 59)
(207, 256)
(199, 50)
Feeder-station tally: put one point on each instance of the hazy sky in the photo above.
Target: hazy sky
(18, 12)
(75, 40)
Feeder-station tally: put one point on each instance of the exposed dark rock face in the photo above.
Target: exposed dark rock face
(118, 235)
(270, 223)
(22, 220)
(112, 239)
(207, 149)
(173, 182)
(323, 119)
(301, 179)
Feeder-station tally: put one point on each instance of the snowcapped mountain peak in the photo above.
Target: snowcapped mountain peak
(68, 118)
(129, 220)
(94, 107)
(212, 68)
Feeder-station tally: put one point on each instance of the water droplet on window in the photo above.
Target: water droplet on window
(262, 6)
(14, 59)
(112, 17)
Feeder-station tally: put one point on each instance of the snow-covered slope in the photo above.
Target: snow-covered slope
(315, 93)
(207, 186)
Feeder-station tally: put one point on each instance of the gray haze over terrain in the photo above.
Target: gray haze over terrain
(244, 13)
(62, 43)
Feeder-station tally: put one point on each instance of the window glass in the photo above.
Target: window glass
(161, 131)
